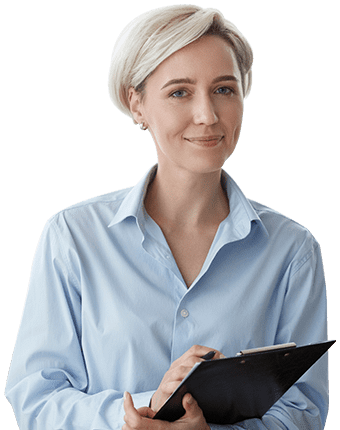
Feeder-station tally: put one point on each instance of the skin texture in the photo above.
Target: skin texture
(177, 114)
(142, 418)
(195, 122)
(193, 108)
(177, 372)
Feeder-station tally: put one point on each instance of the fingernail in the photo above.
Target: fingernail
(190, 399)
(221, 355)
(125, 395)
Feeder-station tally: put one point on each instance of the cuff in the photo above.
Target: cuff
(142, 399)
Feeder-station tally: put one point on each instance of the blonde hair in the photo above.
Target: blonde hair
(153, 36)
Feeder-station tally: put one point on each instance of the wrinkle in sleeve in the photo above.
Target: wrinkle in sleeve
(267, 423)
(47, 380)
(303, 321)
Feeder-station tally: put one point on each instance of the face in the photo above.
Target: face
(193, 106)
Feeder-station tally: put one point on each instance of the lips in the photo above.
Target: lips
(205, 140)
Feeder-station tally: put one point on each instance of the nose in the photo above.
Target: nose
(204, 111)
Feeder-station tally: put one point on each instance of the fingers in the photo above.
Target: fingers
(128, 402)
(132, 417)
(196, 352)
(178, 371)
(146, 412)
(193, 414)
(170, 382)
(189, 403)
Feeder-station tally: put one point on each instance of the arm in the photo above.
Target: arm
(48, 380)
(303, 320)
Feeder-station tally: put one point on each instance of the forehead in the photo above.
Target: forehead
(204, 59)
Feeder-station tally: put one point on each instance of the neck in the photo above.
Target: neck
(187, 199)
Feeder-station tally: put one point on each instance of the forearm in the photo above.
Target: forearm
(46, 404)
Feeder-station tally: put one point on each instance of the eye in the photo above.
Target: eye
(225, 90)
(178, 94)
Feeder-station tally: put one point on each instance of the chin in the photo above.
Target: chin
(208, 164)
(203, 166)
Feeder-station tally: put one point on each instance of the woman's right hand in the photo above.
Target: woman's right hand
(178, 371)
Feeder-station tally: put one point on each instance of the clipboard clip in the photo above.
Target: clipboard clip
(267, 348)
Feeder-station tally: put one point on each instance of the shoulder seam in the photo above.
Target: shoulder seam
(85, 204)
(306, 257)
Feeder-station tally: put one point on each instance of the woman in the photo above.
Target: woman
(130, 289)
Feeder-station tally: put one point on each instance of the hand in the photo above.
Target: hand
(177, 372)
(141, 419)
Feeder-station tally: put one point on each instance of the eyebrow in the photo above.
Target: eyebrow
(191, 81)
(225, 78)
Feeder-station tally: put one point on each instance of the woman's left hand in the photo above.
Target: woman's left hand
(140, 419)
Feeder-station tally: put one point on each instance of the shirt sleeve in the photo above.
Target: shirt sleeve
(303, 320)
(47, 381)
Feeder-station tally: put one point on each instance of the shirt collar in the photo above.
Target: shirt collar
(242, 212)
(240, 218)
(133, 203)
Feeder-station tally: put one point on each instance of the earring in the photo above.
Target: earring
(142, 126)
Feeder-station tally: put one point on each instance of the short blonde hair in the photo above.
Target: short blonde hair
(153, 36)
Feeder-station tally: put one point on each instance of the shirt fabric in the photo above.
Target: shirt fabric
(108, 311)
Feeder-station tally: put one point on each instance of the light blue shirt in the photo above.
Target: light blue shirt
(108, 311)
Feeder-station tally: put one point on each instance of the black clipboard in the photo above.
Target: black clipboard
(234, 389)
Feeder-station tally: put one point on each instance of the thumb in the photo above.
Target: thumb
(146, 412)
(190, 405)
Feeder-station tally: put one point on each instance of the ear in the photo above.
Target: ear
(136, 106)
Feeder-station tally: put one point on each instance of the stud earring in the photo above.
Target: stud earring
(142, 126)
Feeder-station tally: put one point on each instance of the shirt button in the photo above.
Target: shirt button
(168, 256)
(184, 313)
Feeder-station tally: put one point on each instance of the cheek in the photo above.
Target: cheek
(168, 122)
(240, 119)
(232, 116)
(231, 121)
(237, 127)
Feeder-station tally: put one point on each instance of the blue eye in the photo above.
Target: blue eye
(178, 94)
(224, 90)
